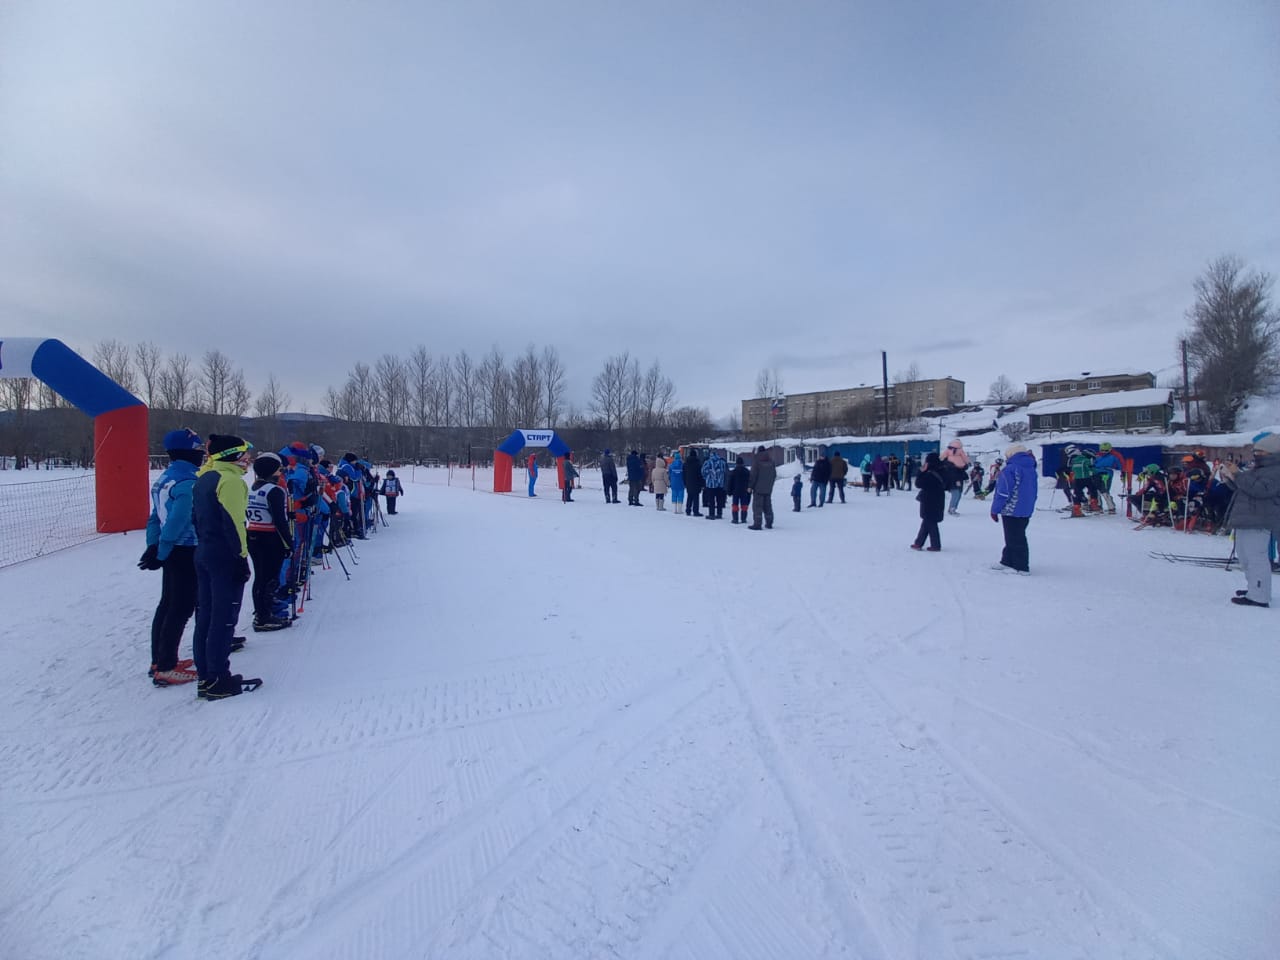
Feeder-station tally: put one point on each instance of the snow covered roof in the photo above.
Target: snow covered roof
(1153, 396)
(1096, 374)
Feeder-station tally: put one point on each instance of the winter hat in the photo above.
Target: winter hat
(607, 451)
(740, 460)
(1070, 448)
(391, 473)
(265, 465)
(183, 439)
(932, 459)
(1014, 449)
(1104, 447)
(1267, 442)
(760, 449)
(227, 447)
(350, 457)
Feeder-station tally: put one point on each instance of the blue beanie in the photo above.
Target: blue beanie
(183, 439)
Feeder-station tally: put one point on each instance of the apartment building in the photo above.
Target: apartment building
(1089, 382)
(796, 411)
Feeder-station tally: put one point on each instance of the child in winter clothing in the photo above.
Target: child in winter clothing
(739, 491)
(797, 491)
(658, 477)
(270, 542)
(171, 548)
(219, 501)
(393, 490)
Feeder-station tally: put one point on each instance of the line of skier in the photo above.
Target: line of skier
(207, 527)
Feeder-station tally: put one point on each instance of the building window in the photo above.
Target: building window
(1077, 420)
(1108, 417)
(1075, 386)
(1095, 384)
(1143, 415)
(1057, 388)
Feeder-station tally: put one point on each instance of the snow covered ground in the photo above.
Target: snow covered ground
(543, 730)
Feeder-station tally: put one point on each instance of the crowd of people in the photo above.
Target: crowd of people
(210, 533)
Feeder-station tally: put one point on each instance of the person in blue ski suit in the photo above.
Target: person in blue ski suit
(171, 549)
(1106, 465)
(530, 466)
(675, 479)
(1013, 505)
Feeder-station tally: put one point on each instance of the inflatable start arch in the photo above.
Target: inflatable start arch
(119, 425)
(505, 455)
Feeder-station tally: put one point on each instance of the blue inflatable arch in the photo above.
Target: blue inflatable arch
(505, 455)
(119, 424)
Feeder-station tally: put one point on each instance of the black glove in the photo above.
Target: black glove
(244, 569)
(150, 559)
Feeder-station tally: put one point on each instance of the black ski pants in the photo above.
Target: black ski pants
(177, 603)
(610, 488)
(267, 551)
(1016, 553)
(391, 504)
(219, 593)
(929, 529)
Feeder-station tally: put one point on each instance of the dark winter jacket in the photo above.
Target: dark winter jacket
(1016, 487)
(821, 472)
(739, 480)
(762, 475)
(839, 467)
(1256, 502)
(693, 473)
(635, 468)
(933, 494)
(608, 468)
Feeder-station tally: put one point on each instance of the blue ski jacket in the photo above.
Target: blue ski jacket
(170, 523)
(1016, 487)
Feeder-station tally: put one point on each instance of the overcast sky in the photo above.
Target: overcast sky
(981, 188)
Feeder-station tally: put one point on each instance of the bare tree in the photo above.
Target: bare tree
(494, 383)
(175, 385)
(1003, 390)
(1234, 341)
(768, 383)
(360, 394)
(238, 395)
(146, 360)
(112, 358)
(421, 385)
(609, 391)
(335, 404)
(526, 387)
(656, 396)
(391, 376)
(272, 400)
(552, 386)
(464, 381)
(214, 383)
(692, 423)
(15, 396)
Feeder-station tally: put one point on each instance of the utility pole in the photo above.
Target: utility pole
(884, 375)
(1186, 390)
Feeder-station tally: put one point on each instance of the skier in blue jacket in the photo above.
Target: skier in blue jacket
(171, 548)
(1013, 504)
(675, 478)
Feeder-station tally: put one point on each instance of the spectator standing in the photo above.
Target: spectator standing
(658, 477)
(933, 500)
(693, 483)
(839, 472)
(1013, 505)
(819, 477)
(675, 478)
(739, 490)
(1254, 515)
(956, 472)
(635, 478)
(609, 476)
(760, 481)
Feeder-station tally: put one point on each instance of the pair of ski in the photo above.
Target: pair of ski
(1194, 559)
